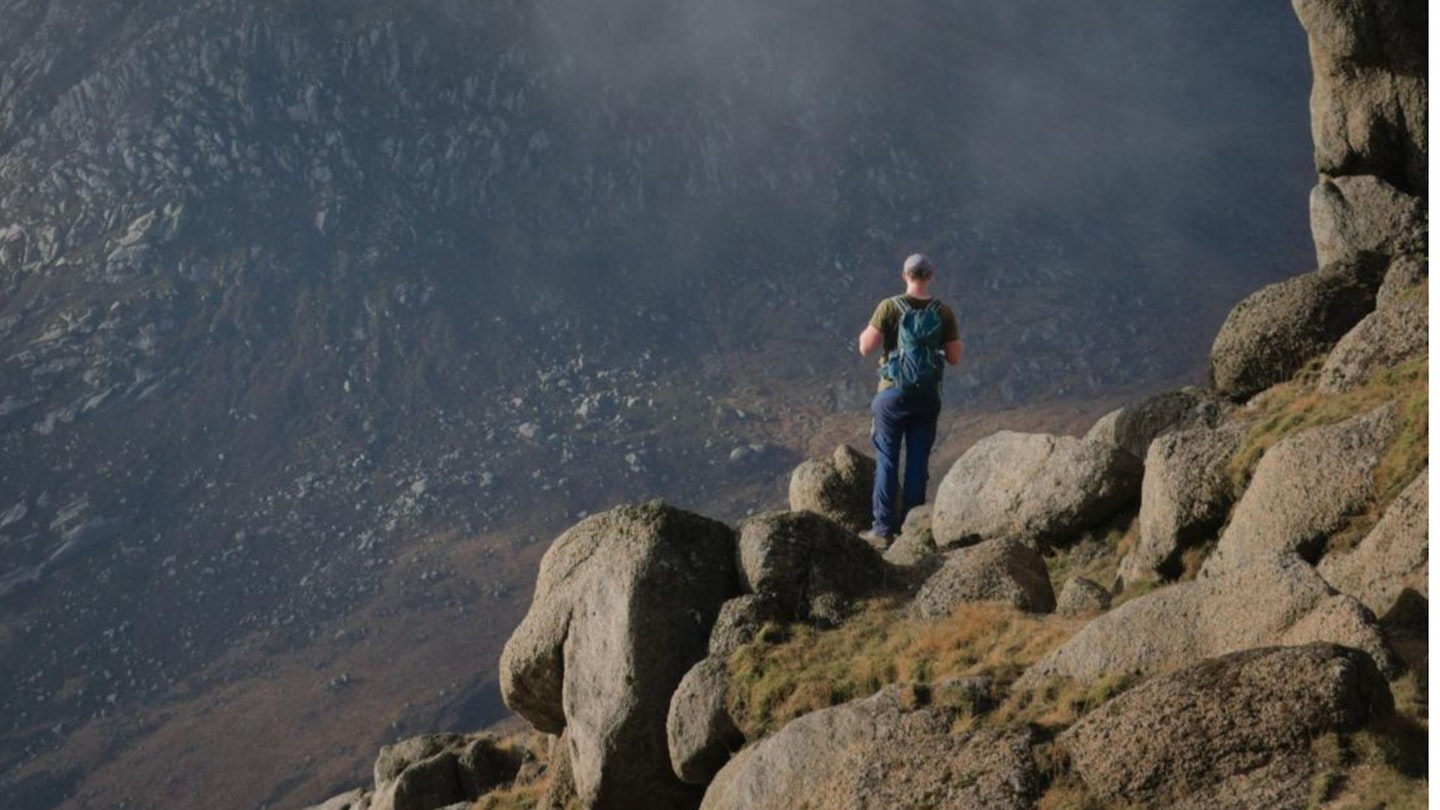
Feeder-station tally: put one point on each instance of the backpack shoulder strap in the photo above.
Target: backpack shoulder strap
(902, 304)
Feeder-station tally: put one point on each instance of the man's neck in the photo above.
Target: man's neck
(917, 290)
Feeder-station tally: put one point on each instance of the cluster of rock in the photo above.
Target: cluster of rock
(624, 655)
(437, 772)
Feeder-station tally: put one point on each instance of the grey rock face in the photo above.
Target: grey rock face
(1187, 734)
(1272, 333)
(916, 542)
(1369, 109)
(873, 753)
(1393, 557)
(1398, 330)
(801, 560)
(1184, 498)
(739, 620)
(1035, 488)
(1404, 274)
(435, 770)
(839, 487)
(1081, 596)
(623, 606)
(560, 791)
(1302, 490)
(425, 785)
(1353, 216)
(1002, 570)
(1274, 602)
(1140, 424)
(699, 730)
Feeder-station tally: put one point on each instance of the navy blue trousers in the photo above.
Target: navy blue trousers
(908, 420)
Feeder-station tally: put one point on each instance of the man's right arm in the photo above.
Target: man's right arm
(870, 340)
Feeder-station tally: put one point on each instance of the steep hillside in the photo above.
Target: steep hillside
(302, 304)
(1215, 597)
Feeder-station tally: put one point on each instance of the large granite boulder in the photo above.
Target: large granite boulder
(1229, 732)
(1142, 423)
(1398, 330)
(1039, 489)
(1355, 216)
(1002, 570)
(1393, 558)
(623, 608)
(1369, 106)
(1277, 329)
(1185, 497)
(875, 753)
(740, 620)
(1404, 274)
(1081, 597)
(804, 562)
(839, 487)
(700, 732)
(1303, 490)
(1275, 602)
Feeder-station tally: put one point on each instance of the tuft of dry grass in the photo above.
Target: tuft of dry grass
(789, 671)
(1297, 405)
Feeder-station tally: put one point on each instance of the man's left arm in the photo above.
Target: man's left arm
(953, 351)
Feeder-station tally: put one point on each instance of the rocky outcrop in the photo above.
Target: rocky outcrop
(1003, 570)
(1142, 423)
(1035, 488)
(839, 487)
(1276, 330)
(1404, 274)
(699, 730)
(1185, 497)
(1227, 732)
(1369, 107)
(874, 753)
(1352, 217)
(1302, 491)
(915, 547)
(1081, 596)
(1398, 330)
(623, 605)
(434, 771)
(806, 564)
(739, 620)
(1393, 558)
(1274, 602)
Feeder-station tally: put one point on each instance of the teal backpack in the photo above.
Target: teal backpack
(916, 364)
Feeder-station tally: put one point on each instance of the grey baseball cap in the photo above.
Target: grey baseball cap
(918, 266)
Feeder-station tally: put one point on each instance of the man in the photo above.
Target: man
(914, 330)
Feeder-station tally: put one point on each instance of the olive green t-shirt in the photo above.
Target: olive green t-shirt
(887, 320)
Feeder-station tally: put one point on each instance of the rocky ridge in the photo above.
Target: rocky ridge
(1222, 682)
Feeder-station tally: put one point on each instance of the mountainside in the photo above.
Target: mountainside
(304, 303)
(1217, 597)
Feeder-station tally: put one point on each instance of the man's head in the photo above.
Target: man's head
(918, 268)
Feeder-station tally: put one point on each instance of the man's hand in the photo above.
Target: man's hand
(870, 340)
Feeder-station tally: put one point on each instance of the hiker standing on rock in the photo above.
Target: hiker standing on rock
(916, 332)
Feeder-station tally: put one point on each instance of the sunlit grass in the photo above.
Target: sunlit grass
(791, 670)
